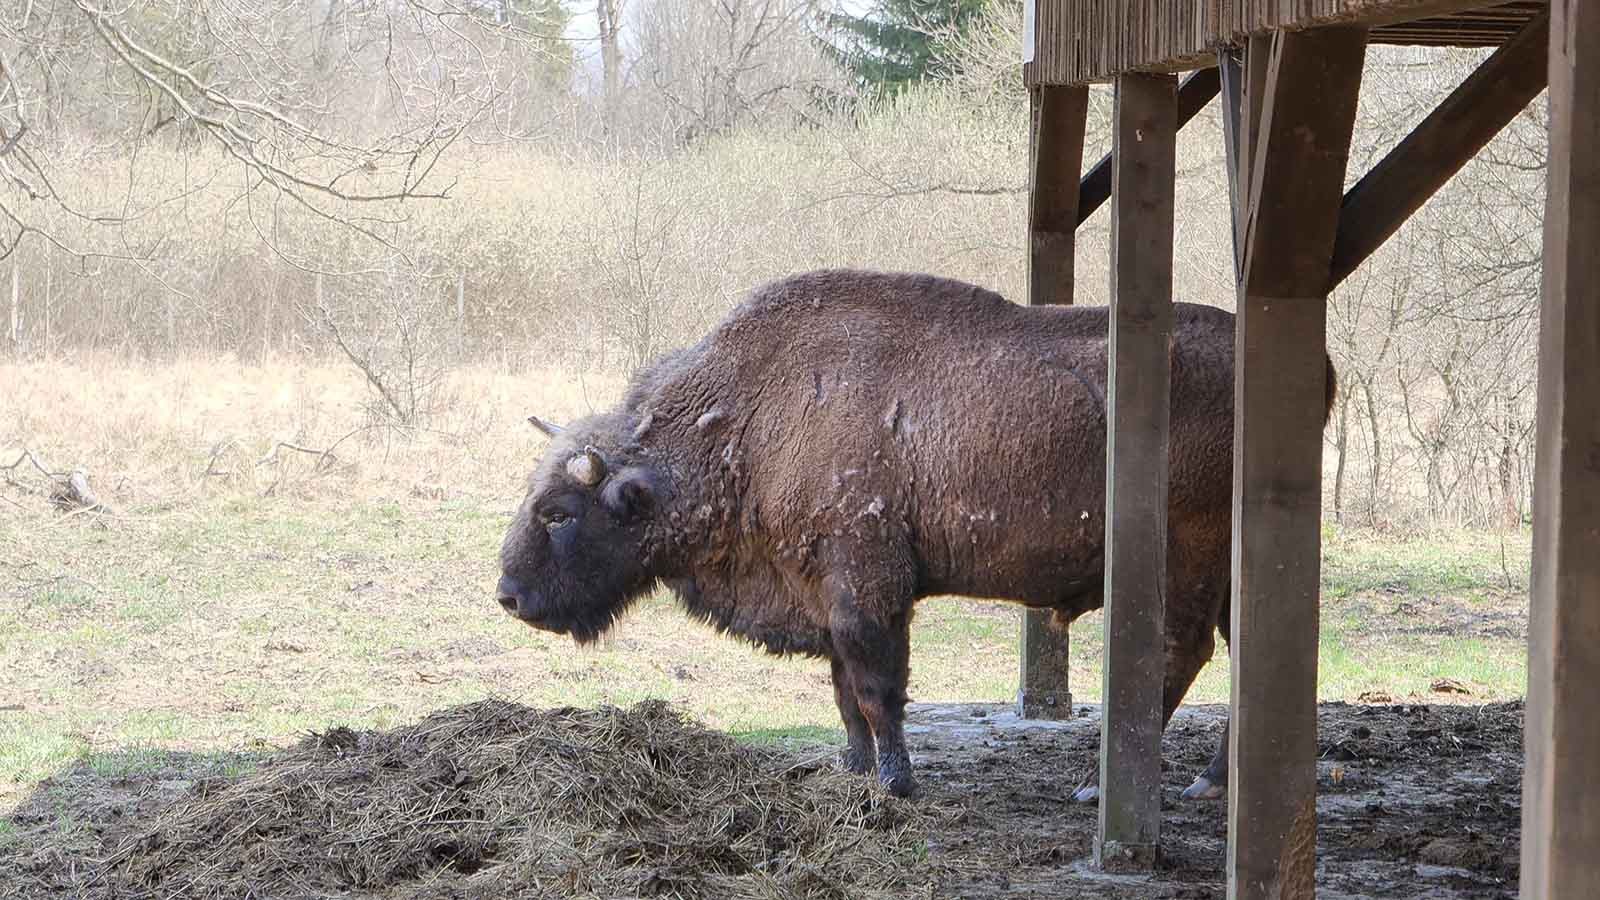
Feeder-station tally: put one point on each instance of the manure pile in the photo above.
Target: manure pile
(493, 799)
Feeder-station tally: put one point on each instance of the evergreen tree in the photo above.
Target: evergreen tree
(541, 25)
(899, 42)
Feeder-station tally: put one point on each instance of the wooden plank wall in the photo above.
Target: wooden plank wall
(1084, 41)
(1090, 40)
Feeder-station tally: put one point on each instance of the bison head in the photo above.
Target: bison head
(580, 549)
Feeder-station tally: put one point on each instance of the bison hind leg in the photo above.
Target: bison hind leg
(1212, 784)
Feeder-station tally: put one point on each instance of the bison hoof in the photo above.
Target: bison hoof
(1203, 789)
(900, 784)
(1090, 794)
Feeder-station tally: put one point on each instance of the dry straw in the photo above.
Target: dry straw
(493, 799)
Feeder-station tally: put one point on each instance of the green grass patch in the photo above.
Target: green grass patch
(1476, 565)
(31, 748)
(63, 597)
(135, 761)
(251, 622)
(791, 736)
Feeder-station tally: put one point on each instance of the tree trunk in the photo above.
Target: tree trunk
(1377, 452)
(609, 15)
(1341, 446)
(1510, 491)
(1435, 484)
(16, 303)
(172, 326)
(326, 33)
(461, 315)
(47, 306)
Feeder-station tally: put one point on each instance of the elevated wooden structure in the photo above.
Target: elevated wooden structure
(1289, 72)
(1082, 41)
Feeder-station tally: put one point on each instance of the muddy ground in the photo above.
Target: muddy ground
(1415, 801)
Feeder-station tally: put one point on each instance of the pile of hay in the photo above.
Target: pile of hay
(493, 799)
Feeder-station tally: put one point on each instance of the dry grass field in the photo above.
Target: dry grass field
(248, 587)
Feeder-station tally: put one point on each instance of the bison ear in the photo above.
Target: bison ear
(550, 429)
(631, 494)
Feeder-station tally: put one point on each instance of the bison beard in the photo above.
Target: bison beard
(846, 443)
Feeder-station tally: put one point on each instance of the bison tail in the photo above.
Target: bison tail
(1333, 392)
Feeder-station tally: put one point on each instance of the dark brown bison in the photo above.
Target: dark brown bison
(847, 442)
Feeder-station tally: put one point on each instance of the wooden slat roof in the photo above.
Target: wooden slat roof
(1091, 40)
(1489, 27)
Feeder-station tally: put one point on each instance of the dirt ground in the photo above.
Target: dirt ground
(1415, 801)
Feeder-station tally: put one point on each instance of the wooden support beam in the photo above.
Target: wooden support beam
(1194, 93)
(1055, 158)
(1561, 783)
(1297, 162)
(1252, 88)
(1055, 149)
(1231, 71)
(1144, 142)
(1241, 116)
(1476, 111)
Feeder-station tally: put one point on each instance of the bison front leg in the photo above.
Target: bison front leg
(858, 749)
(872, 642)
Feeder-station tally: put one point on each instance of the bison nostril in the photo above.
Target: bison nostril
(507, 592)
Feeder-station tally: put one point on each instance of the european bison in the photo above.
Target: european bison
(847, 442)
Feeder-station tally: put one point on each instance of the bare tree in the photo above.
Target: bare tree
(325, 106)
(708, 66)
(608, 15)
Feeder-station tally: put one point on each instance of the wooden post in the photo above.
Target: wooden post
(1055, 148)
(1561, 783)
(1144, 142)
(1297, 162)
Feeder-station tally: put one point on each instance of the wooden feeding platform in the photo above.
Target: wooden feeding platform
(1289, 72)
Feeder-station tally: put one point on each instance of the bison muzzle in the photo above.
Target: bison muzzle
(845, 443)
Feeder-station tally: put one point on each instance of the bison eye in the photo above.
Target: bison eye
(554, 519)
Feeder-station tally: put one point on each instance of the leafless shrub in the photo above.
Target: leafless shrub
(398, 339)
(205, 168)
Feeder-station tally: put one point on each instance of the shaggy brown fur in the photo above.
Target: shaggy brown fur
(848, 442)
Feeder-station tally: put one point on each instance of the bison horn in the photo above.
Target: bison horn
(587, 467)
(550, 429)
